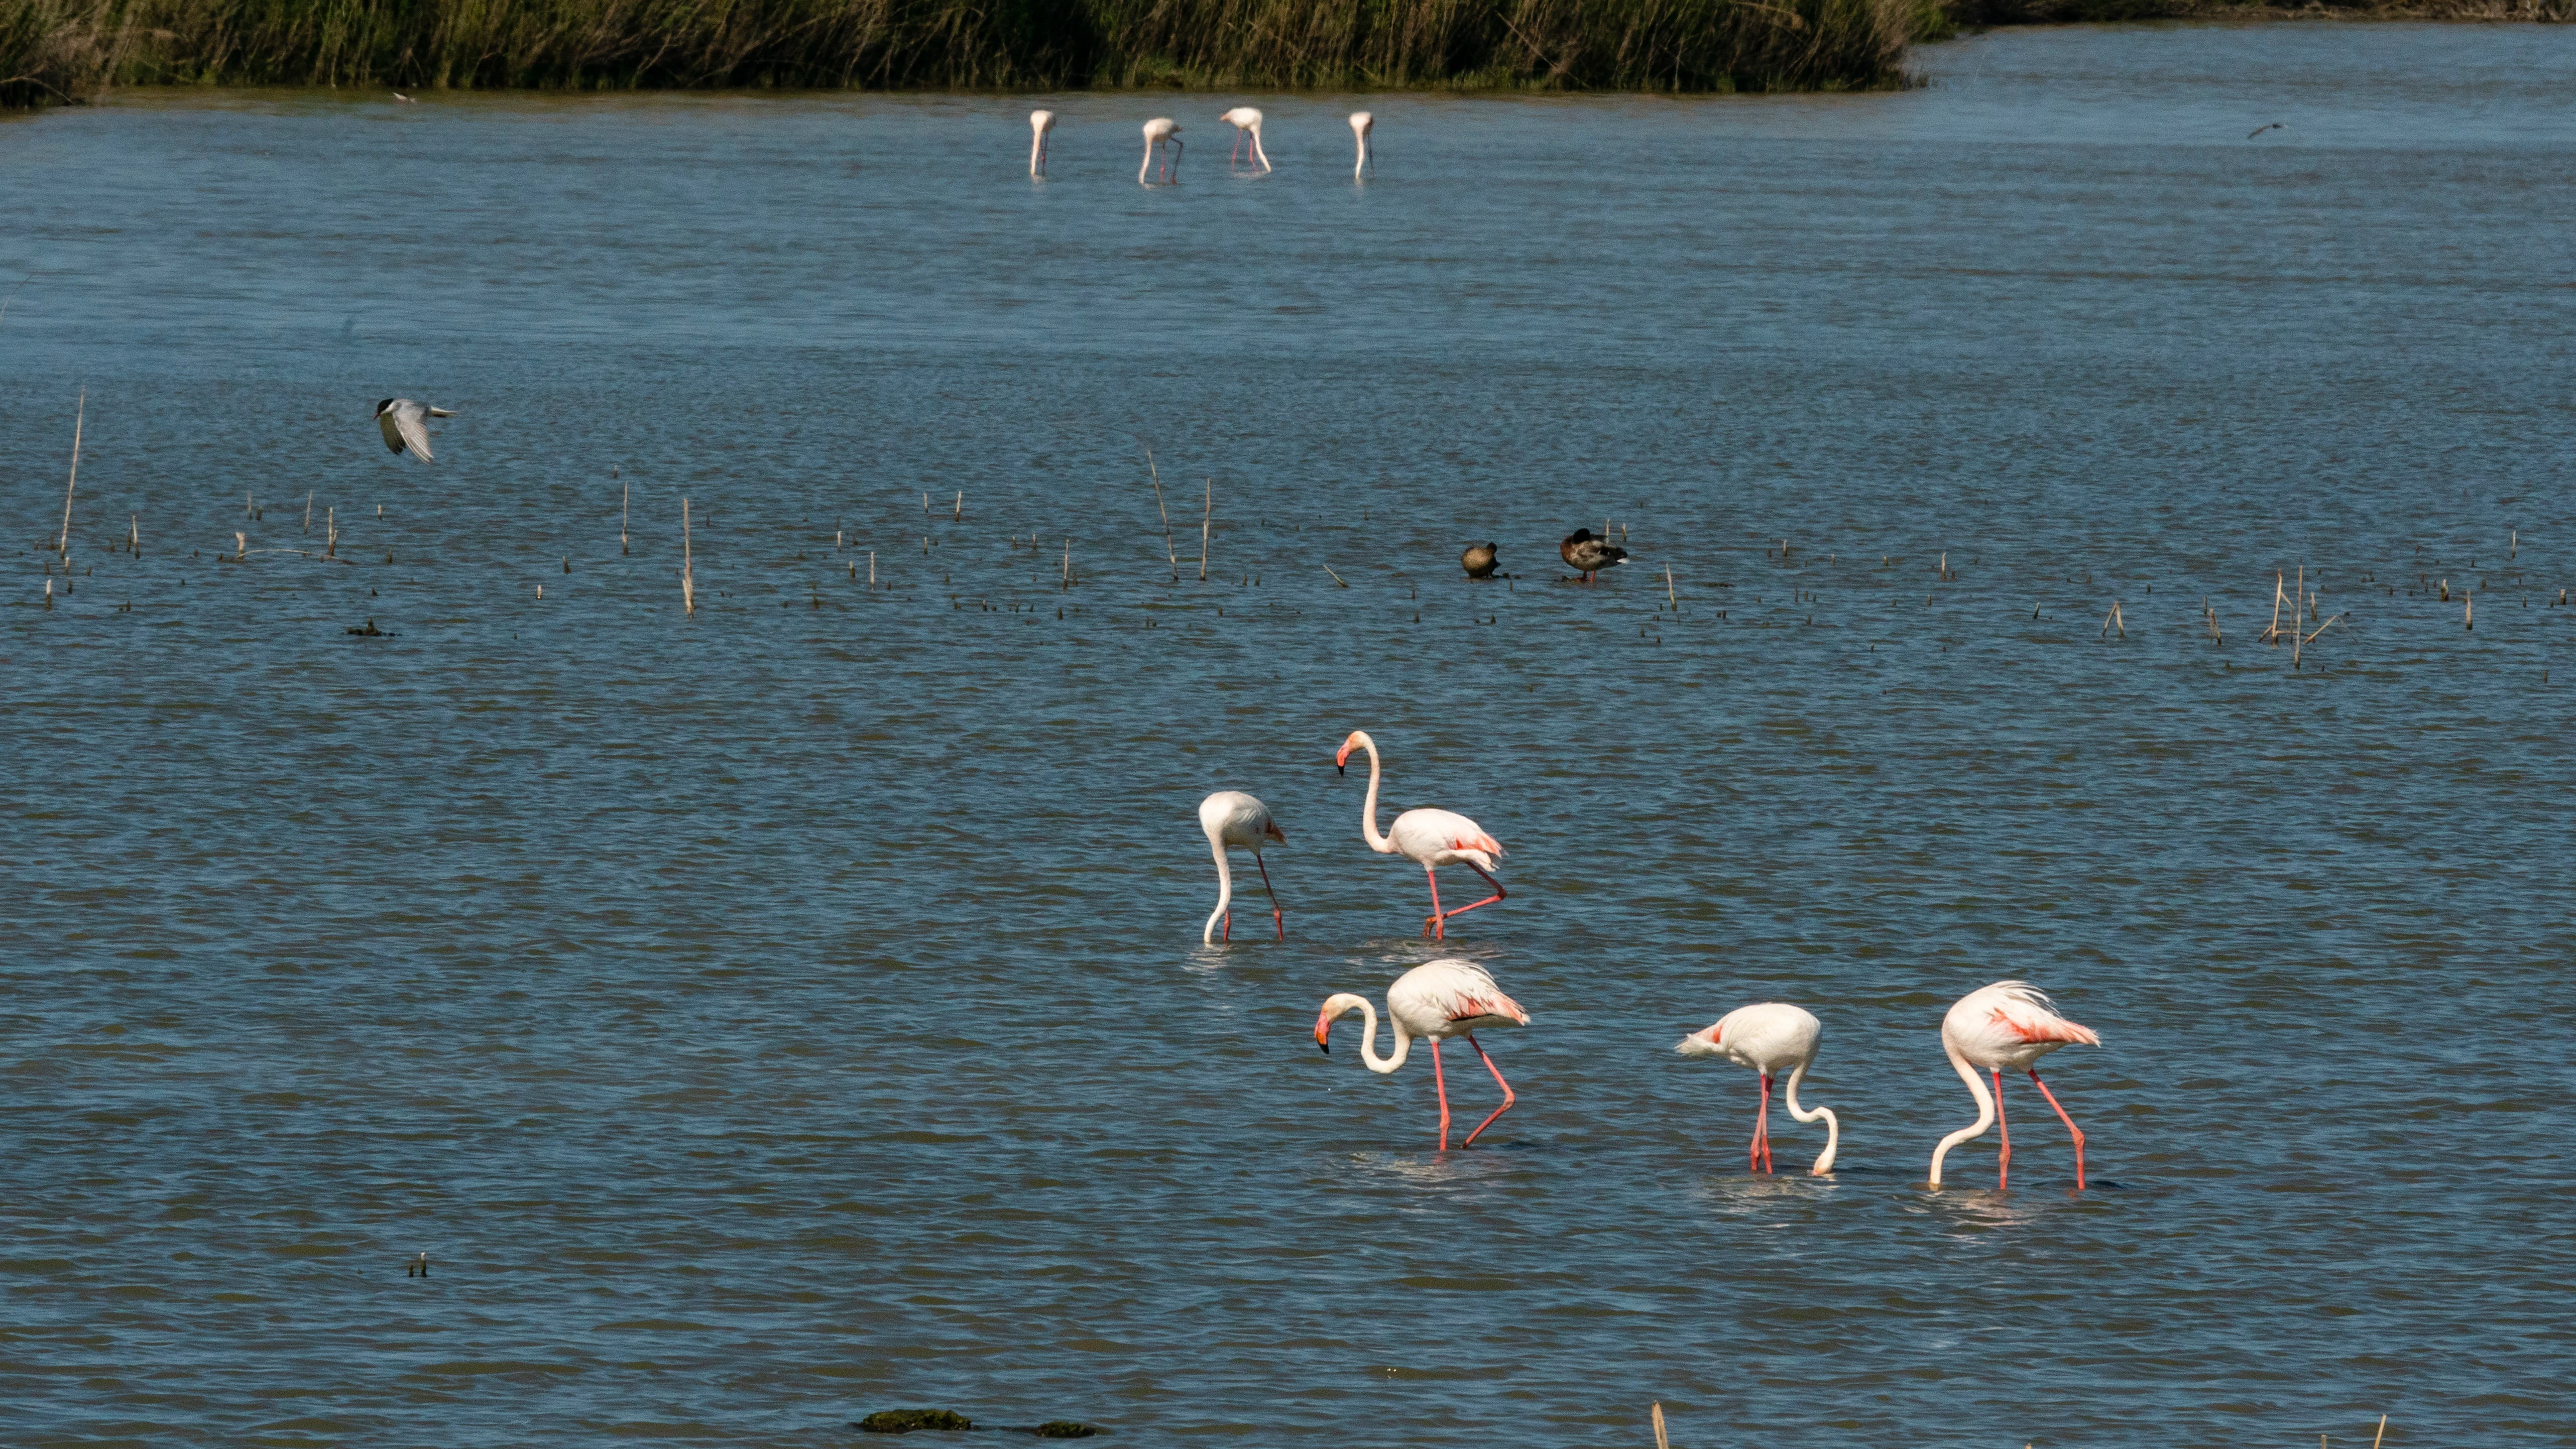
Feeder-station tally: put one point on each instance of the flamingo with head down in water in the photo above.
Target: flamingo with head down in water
(2009, 1024)
(1235, 820)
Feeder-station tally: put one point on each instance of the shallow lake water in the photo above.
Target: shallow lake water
(797, 1010)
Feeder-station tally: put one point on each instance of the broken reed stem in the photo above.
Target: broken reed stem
(1657, 1413)
(1205, 519)
(2468, 611)
(1169, 554)
(308, 510)
(688, 583)
(872, 568)
(2113, 621)
(134, 534)
(2321, 628)
(1068, 564)
(1337, 578)
(961, 506)
(2383, 1429)
(331, 522)
(1675, 600)
(63, 545)
(625, 511)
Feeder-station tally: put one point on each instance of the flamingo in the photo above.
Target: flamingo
(1246, 121)
(1437, 1000)
(1431, 838)
(1766, 1038)
(1361, 123)
(2009, 1024)
(1232, 818)
(1040, 122)
(1157, 131)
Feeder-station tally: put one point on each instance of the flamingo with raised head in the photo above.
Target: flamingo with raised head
(1158, 131)
(1040, 122)
(2009, 1024)
(1361, 124)
(1766, 1038)
(1430, 838)
(1234, 820)
(1436, 1000)
(1246, 122)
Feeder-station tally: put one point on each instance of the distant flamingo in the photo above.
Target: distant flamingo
(1766, 1038)
(1437, 1000)
(1040, 122)
(1361, 124)
(1157, 131)
(2009, 1024)
(1232, 818)
(1246, 122)
(1430, 838)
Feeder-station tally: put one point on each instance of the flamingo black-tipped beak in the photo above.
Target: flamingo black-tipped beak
(1337, 768)
(1275, 833)
(1323, 1040)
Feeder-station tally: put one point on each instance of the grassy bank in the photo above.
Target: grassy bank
(1981, 13)
(64, 50)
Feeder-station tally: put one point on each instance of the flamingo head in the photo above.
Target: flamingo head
(1357, 739)
(1271, 829)
(1335, 1008)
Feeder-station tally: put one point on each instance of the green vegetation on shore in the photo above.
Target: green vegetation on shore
(67, 50)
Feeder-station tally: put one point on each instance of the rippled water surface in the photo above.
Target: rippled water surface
(797, 1010)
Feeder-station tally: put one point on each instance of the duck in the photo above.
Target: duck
(1479, 560)
(1588, 555)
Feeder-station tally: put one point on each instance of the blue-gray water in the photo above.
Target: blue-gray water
(794, 1011)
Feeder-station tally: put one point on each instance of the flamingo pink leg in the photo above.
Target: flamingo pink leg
(1432, 924)
(1443, 916)
(1228, 933)
(1276, 918)
(2003, 1162)
(1508, 1099)
(1761, 1155)
(1443, 1088)
(2070, 1127)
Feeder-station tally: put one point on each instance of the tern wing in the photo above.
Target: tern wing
(415, 432)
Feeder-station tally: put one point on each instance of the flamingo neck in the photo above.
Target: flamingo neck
(1369, 832)
(1985, 1111)
(1148, 163)
(1386, 1065)
(1833, 1128)
(1224, 890)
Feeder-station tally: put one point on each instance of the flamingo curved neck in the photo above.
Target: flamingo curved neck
(1224, 891)
(1833, 1128)
(1369, 832)
(1985, 1112)
(1383, 1066)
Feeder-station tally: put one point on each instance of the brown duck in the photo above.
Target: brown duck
(1479, 559)
(1587, 555)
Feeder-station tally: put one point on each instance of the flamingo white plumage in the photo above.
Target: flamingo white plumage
(1435, 1000)
(1158, 131)
(1768, 1037)
(2009, 1024)
(1234, 820)
(1361, 124)
(1246, 122)
(1040, 122)
(1430, 838)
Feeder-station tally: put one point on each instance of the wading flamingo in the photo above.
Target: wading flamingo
(1234, 819)
(2009, 1024)
(1437, 1000)
(1246, 122)
(1157, 131)
(1766, 1038)
(1361, 124)
(1430, 838)
(1040, 122)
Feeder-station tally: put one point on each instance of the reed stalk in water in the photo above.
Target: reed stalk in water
(688, 583)
(63, 545)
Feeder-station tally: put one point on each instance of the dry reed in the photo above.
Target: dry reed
(53, 51)
(63, 545)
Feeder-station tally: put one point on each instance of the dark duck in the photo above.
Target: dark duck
(1587, 555)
